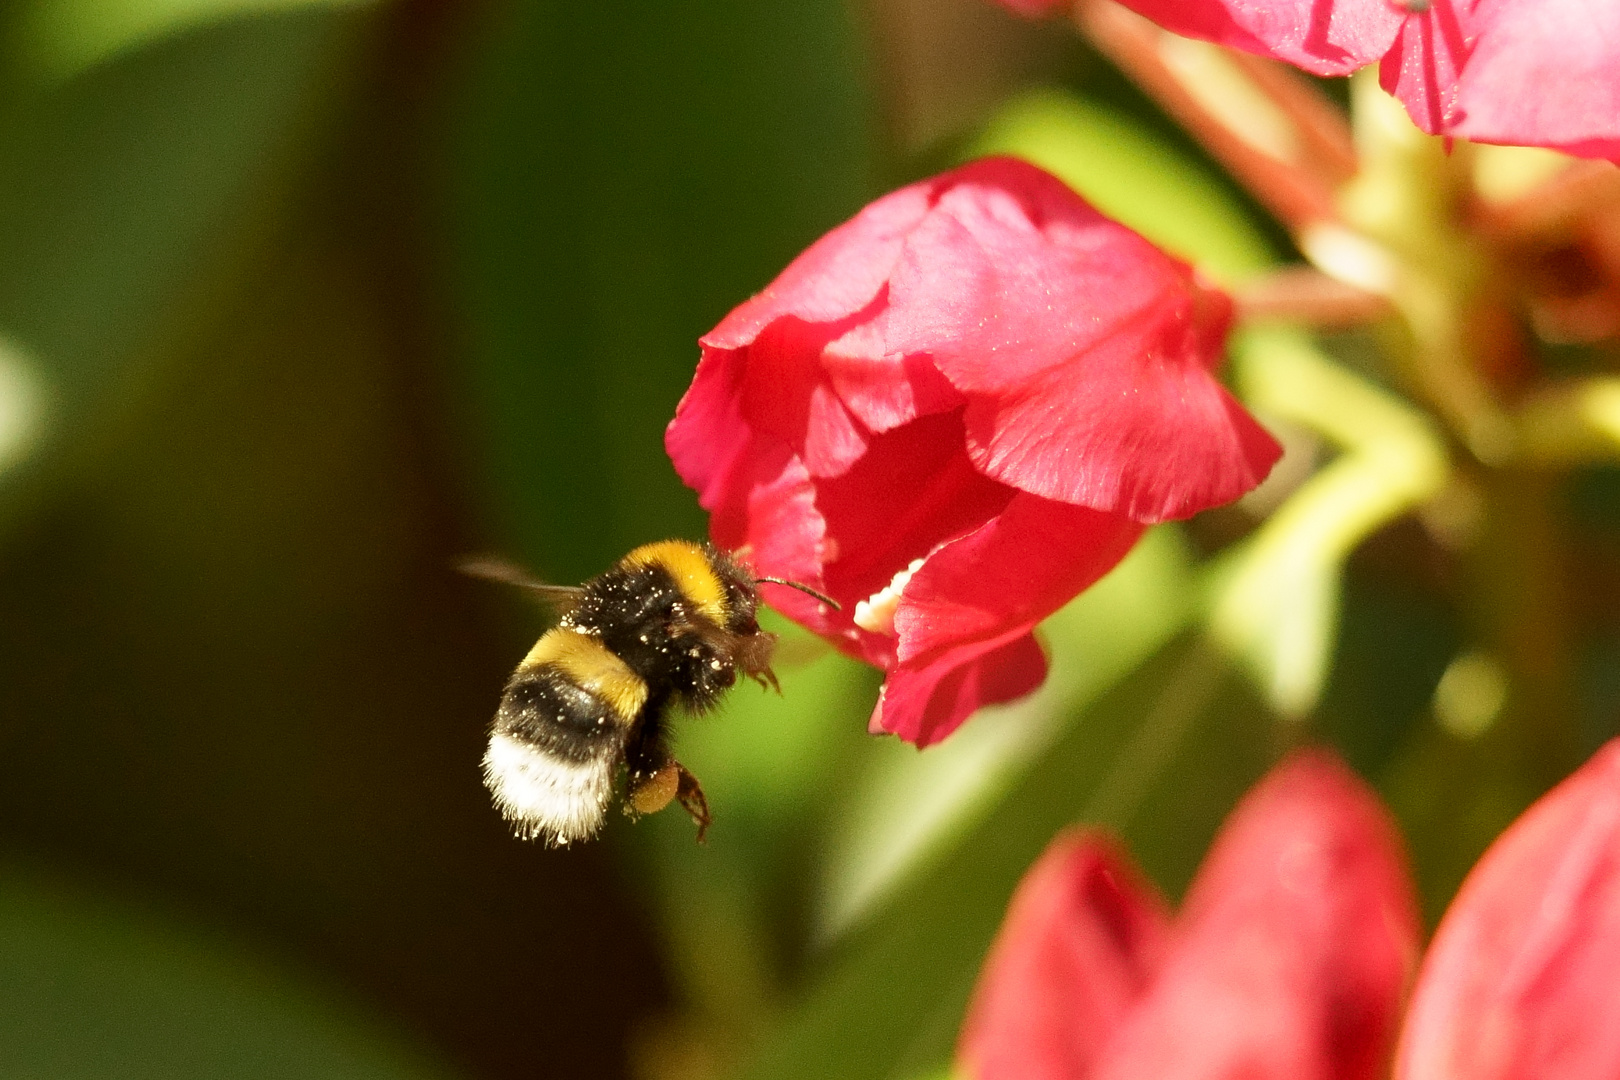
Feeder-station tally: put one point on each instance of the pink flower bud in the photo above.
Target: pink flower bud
(1287, 962)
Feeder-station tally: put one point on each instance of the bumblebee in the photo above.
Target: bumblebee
(668, 626)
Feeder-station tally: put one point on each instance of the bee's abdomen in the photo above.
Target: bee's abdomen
(549, 711)
(559, 734)
(581, 676)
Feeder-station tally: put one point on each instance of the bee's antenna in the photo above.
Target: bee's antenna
(825, 599)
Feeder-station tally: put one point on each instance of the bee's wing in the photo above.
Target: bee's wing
(799, 649)
(794, 649)
(495, 568)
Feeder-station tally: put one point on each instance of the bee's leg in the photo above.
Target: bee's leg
(652, 778)
(753, 655)
(690, 792)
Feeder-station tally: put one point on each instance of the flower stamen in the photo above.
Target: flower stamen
(876, 613)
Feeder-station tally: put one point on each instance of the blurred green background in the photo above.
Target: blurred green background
(299, 301)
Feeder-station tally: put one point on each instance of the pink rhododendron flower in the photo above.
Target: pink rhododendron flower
(953, 413)
(1290, 954)
(1522, 72)
(1523, 979)
(1288, 960)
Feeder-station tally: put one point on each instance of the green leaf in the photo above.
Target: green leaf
(54, 40)
(1275, 598)
(97, 989)
(621, 176)
(119, 187)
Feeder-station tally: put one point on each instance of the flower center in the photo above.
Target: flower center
(876, 612)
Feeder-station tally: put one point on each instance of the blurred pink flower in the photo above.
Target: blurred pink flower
(1521, 72)
(1289, 957)
(1288, 960)
(1522, 981)
(953, 413)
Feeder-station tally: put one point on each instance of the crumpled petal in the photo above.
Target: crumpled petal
(717, 452)
(1084, 353)
(926, 700)
(885, 389)
(784, 393)
(977, 596)
(1325, 37)
(914, 490)
(1522, 981)
(758, 493)
(834, 278)
(1083, 936)
(778, 336)
(1294, 946)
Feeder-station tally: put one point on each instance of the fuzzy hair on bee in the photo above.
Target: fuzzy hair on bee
(668, 627)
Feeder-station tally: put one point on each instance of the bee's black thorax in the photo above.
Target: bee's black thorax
(643, 617)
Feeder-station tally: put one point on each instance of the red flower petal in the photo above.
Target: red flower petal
(1013, 571)
(716, 451)
(1098, 432)
(757, 491)
(913, 490)
(1521, 72)
(784, 392)
(836, 277)
(1296, 943)
(1325, 37)
(1082, 937)
(926, 700)
(1422, 67)
(1083, 351)
(979, 593)
(1544, 73)
(884, 388)
(779, 335)
(1523, 979)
